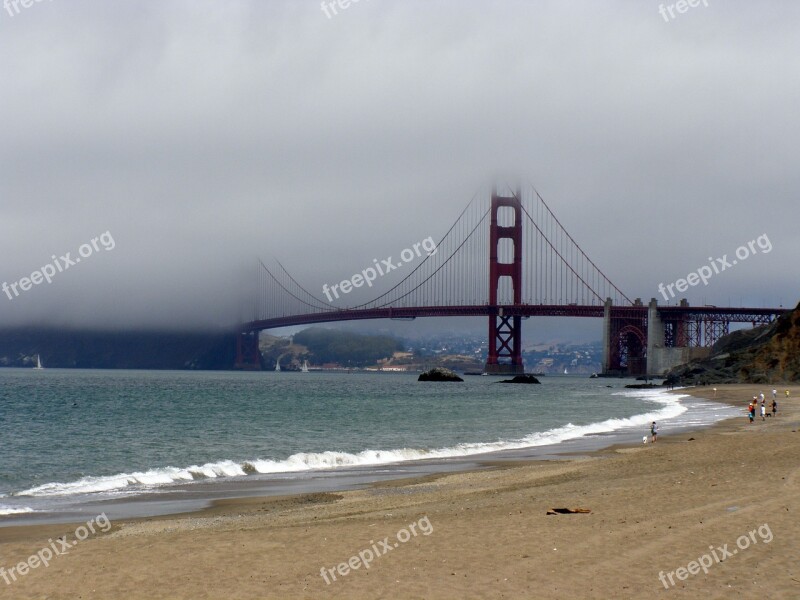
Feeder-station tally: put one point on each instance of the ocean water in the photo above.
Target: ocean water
(74, 436)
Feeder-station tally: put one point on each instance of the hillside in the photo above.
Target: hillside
(79, 349)
(321, 346)
(346, 348)
(766, 354)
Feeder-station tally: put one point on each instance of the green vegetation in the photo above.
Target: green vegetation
(347, 349)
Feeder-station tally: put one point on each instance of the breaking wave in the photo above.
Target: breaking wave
(310, 461)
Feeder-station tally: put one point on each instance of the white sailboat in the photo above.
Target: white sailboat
(38, 363)
(278, 365)
(304, 369)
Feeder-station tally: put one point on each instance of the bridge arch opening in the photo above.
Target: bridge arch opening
(505, 251)
(505, 290)
(632, 350)
(506, 216)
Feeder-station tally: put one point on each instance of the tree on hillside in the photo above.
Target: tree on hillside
(349, 349)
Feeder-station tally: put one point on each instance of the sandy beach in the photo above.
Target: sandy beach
(708, 514)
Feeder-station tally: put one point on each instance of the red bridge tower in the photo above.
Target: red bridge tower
(505, 331)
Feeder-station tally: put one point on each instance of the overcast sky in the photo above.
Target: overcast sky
(202, 134)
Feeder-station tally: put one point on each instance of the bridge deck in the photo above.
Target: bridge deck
(734, 315)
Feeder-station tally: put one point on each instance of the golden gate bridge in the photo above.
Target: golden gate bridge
(508, 259)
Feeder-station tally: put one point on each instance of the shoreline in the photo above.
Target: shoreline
(196, 496)
(653, 508)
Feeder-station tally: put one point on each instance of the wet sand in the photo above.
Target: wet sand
(654, 509)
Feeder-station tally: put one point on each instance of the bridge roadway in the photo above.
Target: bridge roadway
(733, 315)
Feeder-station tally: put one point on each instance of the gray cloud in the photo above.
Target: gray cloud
(202, 134)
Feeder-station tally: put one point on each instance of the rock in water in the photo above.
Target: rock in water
(521, 379)
(439, 374)
(644, 386)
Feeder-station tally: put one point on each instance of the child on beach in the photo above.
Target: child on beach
(774, 408)
(654, 431)
(763, 411)
(751, 412)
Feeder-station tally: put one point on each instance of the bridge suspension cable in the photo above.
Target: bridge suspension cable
(556, 270)
(565, 273)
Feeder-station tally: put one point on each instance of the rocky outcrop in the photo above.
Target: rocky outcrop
(644, 386)
(439, 374)
(521, 379)
(767, 354)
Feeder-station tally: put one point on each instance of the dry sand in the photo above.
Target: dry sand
(654, 508)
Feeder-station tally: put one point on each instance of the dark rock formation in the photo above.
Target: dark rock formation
(521, 379)
(439, 374)
(643, 386)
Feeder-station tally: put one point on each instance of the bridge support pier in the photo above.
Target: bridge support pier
(505, 342)
(248, 356)
(655, 338)
(671, 341)
(505, 331)
(607, 336)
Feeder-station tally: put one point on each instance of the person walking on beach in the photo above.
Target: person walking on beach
(774, 394)
(654, 431)
(761, 396)
(763, 411)
(751, 412)
(774, 408)
(787, 393)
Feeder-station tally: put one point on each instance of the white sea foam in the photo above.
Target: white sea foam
(21, 510)
(309, 461)
(138, 480)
